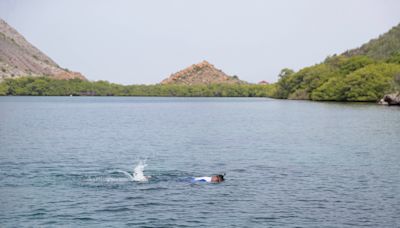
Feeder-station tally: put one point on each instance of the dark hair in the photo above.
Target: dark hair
(220, 177)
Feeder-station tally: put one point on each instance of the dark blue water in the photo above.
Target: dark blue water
(288, 163)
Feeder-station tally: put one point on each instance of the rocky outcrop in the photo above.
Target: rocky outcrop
(391, 99)
(20, 58)
(201, 73)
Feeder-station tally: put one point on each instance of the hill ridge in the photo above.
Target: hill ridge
(201, 73)
(20, 58)
(380, 48)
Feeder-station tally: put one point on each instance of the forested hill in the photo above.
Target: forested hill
(381, 48)
(362, 74)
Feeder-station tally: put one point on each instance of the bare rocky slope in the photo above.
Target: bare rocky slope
(20, 58)
(201, 73)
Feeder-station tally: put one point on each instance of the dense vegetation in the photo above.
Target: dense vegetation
(45, 86)
(362, 74)
(380, 48)
(340, 78)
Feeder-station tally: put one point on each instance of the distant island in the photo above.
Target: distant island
(367, 74)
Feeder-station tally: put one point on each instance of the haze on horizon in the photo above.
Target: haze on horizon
(143, 42)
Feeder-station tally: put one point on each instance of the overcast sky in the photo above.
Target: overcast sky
(143, 42)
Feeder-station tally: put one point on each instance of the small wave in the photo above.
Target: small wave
(84, 219)
(114, 209)
(107, 179)
(153, 189)
(120, 176)
(137, 174)
(130, 177)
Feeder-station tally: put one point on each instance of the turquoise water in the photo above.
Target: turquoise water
(287, 163)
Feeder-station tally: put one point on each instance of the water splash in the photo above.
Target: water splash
(126, 174)
(138, 172)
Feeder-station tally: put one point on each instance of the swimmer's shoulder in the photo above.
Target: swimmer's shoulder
(205, 179)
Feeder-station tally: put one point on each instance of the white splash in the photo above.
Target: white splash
(138, 172)
(126, 174)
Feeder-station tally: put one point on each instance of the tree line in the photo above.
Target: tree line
(338, 78)
(46, 86)
(342, 78)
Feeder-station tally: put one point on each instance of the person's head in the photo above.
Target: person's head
(217, 178)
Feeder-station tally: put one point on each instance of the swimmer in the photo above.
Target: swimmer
(212, 179)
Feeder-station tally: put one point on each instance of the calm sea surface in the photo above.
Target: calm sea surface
(287, 163)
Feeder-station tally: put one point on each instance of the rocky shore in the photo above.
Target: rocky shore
(391, 99)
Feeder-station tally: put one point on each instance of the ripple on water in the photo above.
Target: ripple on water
(288, 163)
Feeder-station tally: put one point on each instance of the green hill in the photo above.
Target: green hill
(362, 74)
(383, 47)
